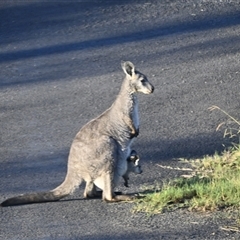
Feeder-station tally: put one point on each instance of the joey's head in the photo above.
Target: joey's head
(133, 163)
(137, 81)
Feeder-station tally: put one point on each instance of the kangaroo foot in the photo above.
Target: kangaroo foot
(122, 197)
(98, 194)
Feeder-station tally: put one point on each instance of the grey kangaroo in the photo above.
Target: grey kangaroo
(132, 166)
(99, 151)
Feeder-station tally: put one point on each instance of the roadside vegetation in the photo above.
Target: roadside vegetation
(213, 182)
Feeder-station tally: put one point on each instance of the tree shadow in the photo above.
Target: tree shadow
(49, 171)
(191, 147)
(22, 20)
(211, 22)
(30, 20)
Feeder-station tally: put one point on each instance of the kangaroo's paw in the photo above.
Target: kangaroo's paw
(97, 194)
(119, 198)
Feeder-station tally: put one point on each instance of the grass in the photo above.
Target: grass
(213, 183)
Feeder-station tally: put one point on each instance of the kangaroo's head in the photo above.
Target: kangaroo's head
(133, 163)
(137, 80)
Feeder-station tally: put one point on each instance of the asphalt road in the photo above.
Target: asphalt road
(60, 67)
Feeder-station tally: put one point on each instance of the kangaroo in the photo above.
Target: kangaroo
(99, 151)
(132, 166)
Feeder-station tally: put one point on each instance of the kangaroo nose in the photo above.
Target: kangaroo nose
(152, 89)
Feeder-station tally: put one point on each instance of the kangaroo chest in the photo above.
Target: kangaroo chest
(135, 116)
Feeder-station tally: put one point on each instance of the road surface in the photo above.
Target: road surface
(60, 67)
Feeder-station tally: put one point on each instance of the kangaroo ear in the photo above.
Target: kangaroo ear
(128, 68)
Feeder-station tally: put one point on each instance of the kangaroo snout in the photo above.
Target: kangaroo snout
(148, 90)
(147, 87)
(151, 89)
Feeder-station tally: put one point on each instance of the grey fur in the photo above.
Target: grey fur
(132, 166)
(99, 151)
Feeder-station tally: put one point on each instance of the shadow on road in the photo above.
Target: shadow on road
(188, 148)
(154, 152)
(34, 21)
(211, 22)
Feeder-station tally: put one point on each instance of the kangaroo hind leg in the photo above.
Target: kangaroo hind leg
(91, 191)
(108, 194)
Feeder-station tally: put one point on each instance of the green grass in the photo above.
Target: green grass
(213, 184)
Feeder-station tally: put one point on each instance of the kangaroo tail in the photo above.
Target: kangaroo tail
(66, 188)
(31, 198)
